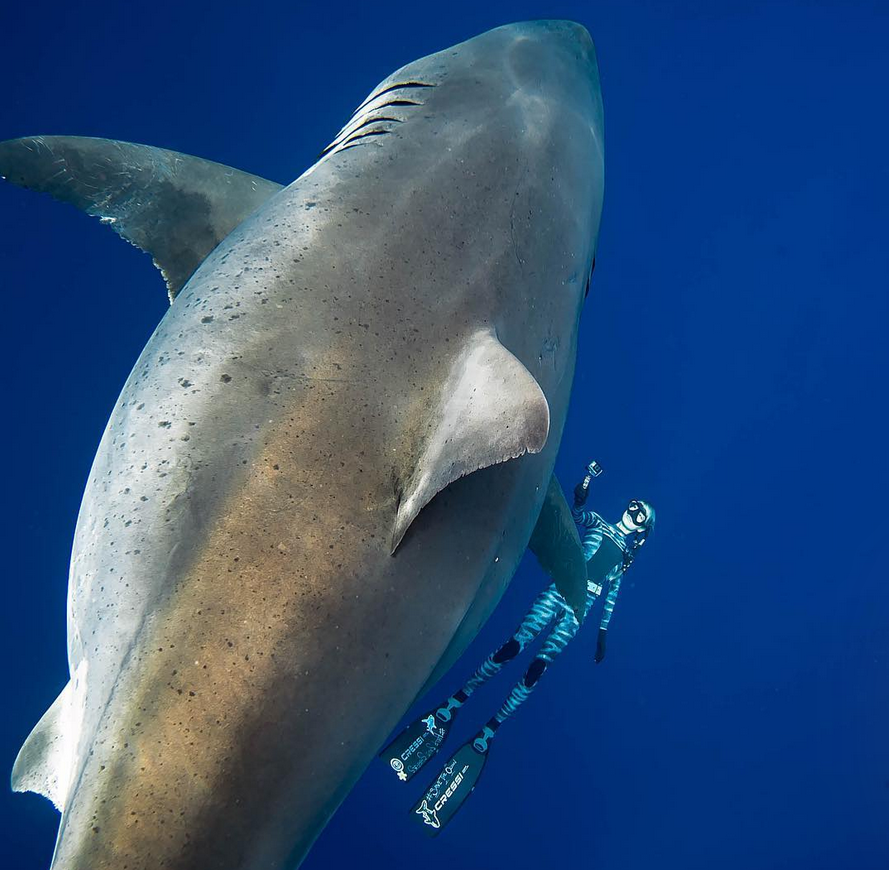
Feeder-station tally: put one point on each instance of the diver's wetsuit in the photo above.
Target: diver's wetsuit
(599, 538)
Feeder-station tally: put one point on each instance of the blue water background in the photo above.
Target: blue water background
(732, 370)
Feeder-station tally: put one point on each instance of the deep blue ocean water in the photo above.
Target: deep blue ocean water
(732, 370)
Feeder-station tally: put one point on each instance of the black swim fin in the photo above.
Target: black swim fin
(453, 785)
(411, 749)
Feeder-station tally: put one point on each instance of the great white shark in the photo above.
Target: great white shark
(331, 454)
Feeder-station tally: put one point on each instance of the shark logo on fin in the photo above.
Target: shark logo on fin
(429, 816)
(430, 723)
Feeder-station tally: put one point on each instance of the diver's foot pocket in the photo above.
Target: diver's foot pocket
(450, 789)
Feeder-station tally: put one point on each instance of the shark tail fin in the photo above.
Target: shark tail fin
(175, 207)
(45, 763)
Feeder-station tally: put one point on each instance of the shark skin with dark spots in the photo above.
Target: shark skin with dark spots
(329, 458)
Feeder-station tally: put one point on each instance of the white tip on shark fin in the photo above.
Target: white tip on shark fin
(491, 410)
(45, 763)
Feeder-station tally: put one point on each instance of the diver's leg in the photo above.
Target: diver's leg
(456, 780)
(565, 629)
(420, 740)
(545, 607)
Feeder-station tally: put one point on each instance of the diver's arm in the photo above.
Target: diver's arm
(589, 523)
(600, 645)
(581, 491)
(584, 519)
(613, 588)
(593, 469)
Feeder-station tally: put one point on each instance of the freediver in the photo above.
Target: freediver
(609, 550)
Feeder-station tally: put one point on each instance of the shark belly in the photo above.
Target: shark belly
(328, 460)
(264, 685)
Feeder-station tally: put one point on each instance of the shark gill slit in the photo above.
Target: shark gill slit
(366, 110)
(362, 140)
(369, 114)
(399, 103)
(339, 141)
(346, 135)
(394, 87)
(365, 135)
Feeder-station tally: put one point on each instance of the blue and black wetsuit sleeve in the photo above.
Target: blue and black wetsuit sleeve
(589, 525)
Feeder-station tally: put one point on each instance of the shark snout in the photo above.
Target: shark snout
(553, 61)
(554, 33)
(563, 29)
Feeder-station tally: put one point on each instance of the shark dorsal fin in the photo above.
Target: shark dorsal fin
(490, 409)
(175, 207)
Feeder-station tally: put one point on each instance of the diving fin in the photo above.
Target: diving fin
(453, 785)
(411, 749)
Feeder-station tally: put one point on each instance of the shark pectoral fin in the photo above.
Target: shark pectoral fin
(175, 207)
(557, 546)
(491, 409)
(45, 762)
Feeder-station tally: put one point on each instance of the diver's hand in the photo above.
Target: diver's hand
(582, 489)
(581, 492)
(600, 645)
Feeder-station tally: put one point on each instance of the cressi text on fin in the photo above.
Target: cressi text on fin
(448, 792)
(419, 742)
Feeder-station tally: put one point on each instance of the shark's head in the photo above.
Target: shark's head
(519, 111)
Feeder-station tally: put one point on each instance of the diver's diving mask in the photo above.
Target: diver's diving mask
(637, 513)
